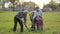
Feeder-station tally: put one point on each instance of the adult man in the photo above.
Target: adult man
(37, 13)
(18, 17)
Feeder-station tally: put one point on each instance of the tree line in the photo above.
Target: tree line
(52, 4)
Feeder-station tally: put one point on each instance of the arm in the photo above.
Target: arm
(25, 23)
(34, 15)
(41, 14)
(24, 20)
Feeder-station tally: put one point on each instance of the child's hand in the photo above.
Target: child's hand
(38, 18)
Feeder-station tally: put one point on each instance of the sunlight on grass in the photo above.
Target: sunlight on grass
(51, 23)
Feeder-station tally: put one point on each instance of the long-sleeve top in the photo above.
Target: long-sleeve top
(20, 15)
(37, 13)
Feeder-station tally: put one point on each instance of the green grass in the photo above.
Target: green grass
(51, 23)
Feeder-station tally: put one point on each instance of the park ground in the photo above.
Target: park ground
(51, 23)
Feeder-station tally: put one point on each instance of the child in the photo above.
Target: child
(39, 23)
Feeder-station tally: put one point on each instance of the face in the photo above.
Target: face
(37, 8)
(25, 13)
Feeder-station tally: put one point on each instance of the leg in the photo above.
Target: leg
(40, 27)
(21, 25)
(33, 26)
(37, 27)
(15, 24)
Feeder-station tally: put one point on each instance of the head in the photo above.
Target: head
(37, 8)
(25, 12)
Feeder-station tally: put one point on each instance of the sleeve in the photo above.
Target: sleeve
(41, 13)
(34, 15)
(24, 20)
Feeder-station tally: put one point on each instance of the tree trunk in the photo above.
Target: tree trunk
(13, 7)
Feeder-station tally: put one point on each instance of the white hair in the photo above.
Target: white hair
(25, 10)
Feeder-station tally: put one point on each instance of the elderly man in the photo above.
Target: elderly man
(18, 17)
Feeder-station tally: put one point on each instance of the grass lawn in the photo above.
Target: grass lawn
(51, 23)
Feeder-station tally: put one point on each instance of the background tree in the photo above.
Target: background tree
(12, 1)
(59, 5)
(2, 2)
(17, 4)
(53, 5)
(29, 5)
